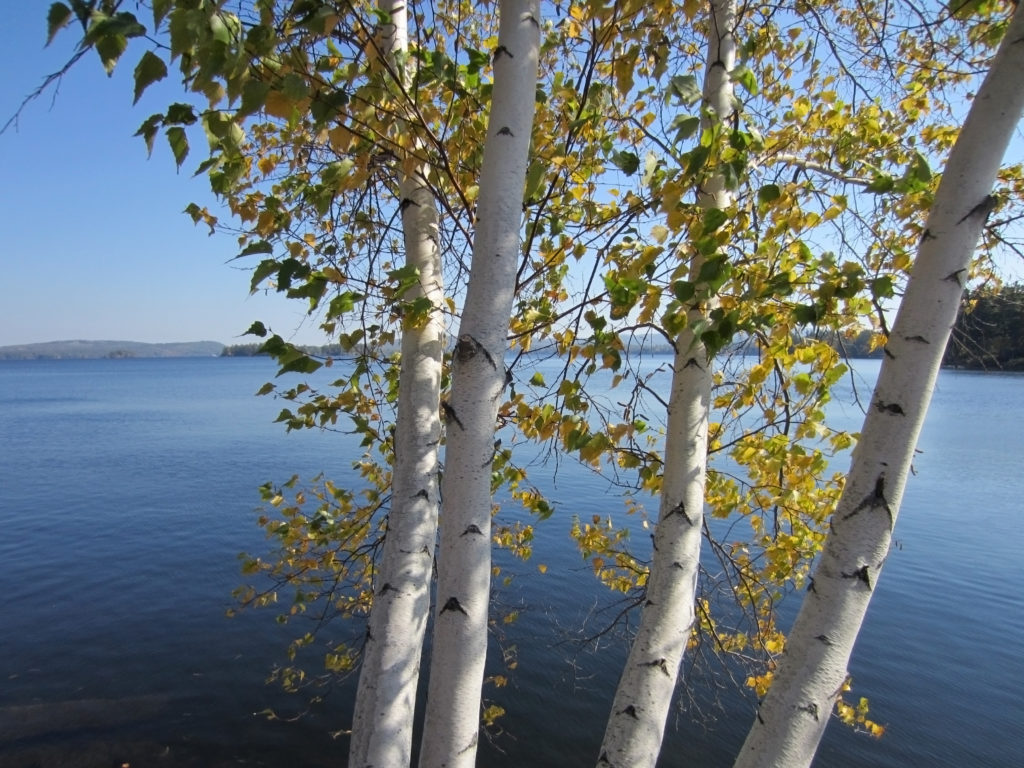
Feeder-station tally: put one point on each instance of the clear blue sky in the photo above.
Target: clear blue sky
(94, 244)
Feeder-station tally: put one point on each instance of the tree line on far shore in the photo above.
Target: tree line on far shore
(989, 331)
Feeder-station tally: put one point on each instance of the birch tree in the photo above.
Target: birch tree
(452, 723)
(390, 671)
(639, 711)
(811, 675)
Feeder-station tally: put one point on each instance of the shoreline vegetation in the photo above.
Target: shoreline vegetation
(986, 337)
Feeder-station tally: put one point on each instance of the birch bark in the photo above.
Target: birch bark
(386, 695)
(478, 378)
(639, 712)
(792, 718)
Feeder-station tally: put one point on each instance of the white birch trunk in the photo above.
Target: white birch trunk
(792, 718)
(478, 378)
(386, 695)
(639, 712)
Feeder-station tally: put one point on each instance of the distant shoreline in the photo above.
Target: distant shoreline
(81, 349)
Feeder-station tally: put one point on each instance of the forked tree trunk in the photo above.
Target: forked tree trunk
(636, 724)
(478, 379)
(792, 718)
(386, 696)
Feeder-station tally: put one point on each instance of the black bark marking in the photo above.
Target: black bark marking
(679, 509)
(954, 277)
(454, 605)
(919, 339)
(494, 452)
(406, 202)
(661, 664)
(505, 131)
(811, 709)
(654, 542)
(894, 408)
(677, 564)
(471, 745)
(630, 711)
(875, 500)
(861, 574)
(759, 718)
(927, 235)
(421, 494)
(604, 759)
(472, 529)
(694, 362)
(888, 353)
(824, 639)
(532, 19)
(810, 585)
(385, 589)
(508, 383)
(466, 348)
(982, 209)
(500, 51)
(449, 414)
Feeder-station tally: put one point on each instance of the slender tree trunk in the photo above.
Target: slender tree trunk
(639, 712)
(792, 718)
(386, 696)
(478, 379)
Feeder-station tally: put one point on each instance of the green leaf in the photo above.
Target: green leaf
(149, 70)
(148, 130)
(882, 287)
(263, 270)
(714, 218)
(714, 270)
(768, 193)
(160, 10)
(260, 246)
(56, 20)
(179, 143)
(256, 329)
(301, 364)
(122, 25)
(686, 126)
(627, 162)
(806, 314)
(696, 160)
(685, 88)
(744, 76)
(110, 48)
(181, 114)
(254, 96)
(683, 290)
(344, 302)
(534, 179)
(881, 183)
(537, 379)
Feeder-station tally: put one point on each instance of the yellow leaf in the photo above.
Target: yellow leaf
(278, 105)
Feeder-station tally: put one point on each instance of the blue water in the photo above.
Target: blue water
(128, 487)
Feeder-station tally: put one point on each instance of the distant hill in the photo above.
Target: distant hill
(80, 350)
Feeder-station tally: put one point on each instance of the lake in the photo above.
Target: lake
(128, 488)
